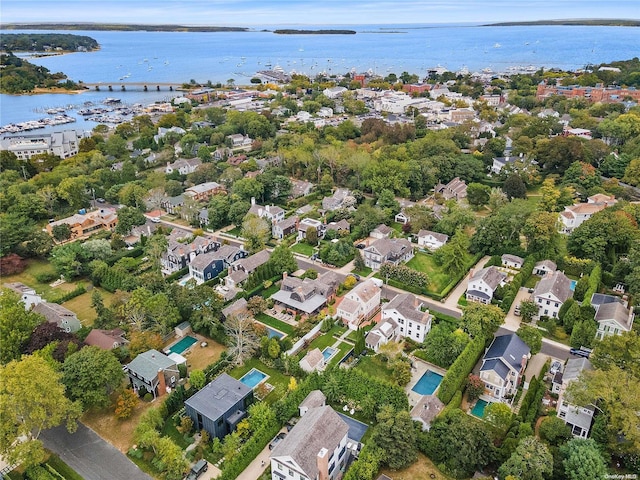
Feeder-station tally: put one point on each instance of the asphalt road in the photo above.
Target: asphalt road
(91, 456)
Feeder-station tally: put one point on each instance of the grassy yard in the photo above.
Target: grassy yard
(81, 306)
(28, 277)
(235, 231)
(199, 357)
(52, 461)
(425, 263)
(374, 366)
(363, 273)
(277, 379)
(343, 350)
(531, 281)
(303, 248)
(275, 323)
(422, 469)
(325, 340)
(172, 432)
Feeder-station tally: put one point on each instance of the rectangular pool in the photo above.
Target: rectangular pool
(428, 383)
(274, 333)
(328, 352)
(253, 377)
(573, 284)
(182, 345)
(478, 408)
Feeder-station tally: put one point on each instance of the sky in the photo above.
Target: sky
(310, 12)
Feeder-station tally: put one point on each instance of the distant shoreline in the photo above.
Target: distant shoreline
(118, 27)
(566, 23)
(291, 31)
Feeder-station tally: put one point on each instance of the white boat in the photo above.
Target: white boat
(497, 45)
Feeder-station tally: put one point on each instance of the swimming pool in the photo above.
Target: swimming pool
(253, 377)
(182, 345)
(328, 352)
(428, 383)
(478, 408)
(573, 284)
(274, 333)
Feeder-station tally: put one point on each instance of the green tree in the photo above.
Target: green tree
(16, 325)
(528, 310)
(550, 195)
(61, 232)
(530, 461)
(541, 232)
(514, 187)
(360, 343)
(480, 320)
(621, 350)
(499, 415)
(90, 376)
(442, 345)
(133, 195)
(312, 236)
(478, 194)
(219, 206)
(128, 217)
(583, 460)
(474, 387)
(247, 188)
(197, 379)
(395, 436)
(31, 400)
(583, 333)
(358, 261)
(452, 255)
(532, 337)
(74, 191)
(554, 431)
(282, 260)
(256, 232)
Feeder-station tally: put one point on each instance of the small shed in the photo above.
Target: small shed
(183, 329)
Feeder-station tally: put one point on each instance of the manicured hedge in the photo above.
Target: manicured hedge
(248, 452)
(595, 277)
(511, 290)
(454, 404)
(461, 368)
(177, 275)
(76, 292)
(135, 252)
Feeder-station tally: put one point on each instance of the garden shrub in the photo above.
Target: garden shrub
(457, 373)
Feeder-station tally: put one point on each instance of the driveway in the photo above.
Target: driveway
(91, 456)
(451, 300)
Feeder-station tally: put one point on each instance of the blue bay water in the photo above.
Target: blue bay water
(182, 56)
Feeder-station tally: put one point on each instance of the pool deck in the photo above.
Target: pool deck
(419, 369)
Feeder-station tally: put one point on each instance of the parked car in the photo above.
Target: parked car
(198, 469)
(555, 367)
(361, 246)
(277, 439)
(581, 352)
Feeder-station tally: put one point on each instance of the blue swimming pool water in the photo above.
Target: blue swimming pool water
(328, 352)
(182, 345)
(573, 284)
(253, 377)
(478, 408)
(428, 383)
(274, 333)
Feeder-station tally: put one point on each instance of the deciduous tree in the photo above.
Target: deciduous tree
(583, 460)
(395, 436)
(532, 337)
(16, 325)
(243, 342)
(530, 461)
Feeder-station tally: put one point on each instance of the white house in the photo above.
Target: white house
(575, 215)
(411, 316)
(483, 283)
(612, 315)
(272, 213)
(359, 304)
(334, 92)
(578, 418)
(431, 240)
(183, 166)
(543, 267)
(394, 250)
(503, 365)
(313, 361)
(28, 295)
(551, 292)
(306, 223)
(512, 261)
(381, 231)
(385, 331)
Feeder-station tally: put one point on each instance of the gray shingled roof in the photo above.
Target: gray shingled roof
(148, 363)
(556, 284)
(491, 275)
(315, 399)
(614, 311)
(317, 429)
(441, 237)
(405, 303)
(574, 367)
(217, 397)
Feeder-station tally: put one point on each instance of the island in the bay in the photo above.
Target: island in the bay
(603, 22)
(20, 76)
(118, 27)
(293, 31)
(47, 42)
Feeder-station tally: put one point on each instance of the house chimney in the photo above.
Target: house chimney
(284, 275)
(162, 384)
(524, 362)
(253, 200)
(230, 269)
(322, 461)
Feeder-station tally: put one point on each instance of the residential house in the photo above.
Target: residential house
(183, 329)
(334, 92)
(394, 250)
(359, 304)
(236, 308)
(221, 154)
(578, 418)
(172, 204)
(106, 339)
(209, 265)
(306, 296)
(500, 162)
(284, 228)
(512, 261)
(612, 315)
(342, 227)
(219, 406)
(455, 189)
(381, 231)
(431, 240)
(203, 191)
(315, 448)
(313, 361)
(483, 283)
(85, 223)
(241, 269)
(544, 267)
(300, 188)
(410, 314)
(575, 215)
(240, 142)
(402, 216)
(551, 292)
(503, 366)
(153, 371)
(162, 132)
(183, 166)
(272, 213)
(385, 331)
(337, 200)
(63, 144)
(315, 399)
(61, 316)
(180, 254)
(426, 410)
(306, 223)
(28, 295)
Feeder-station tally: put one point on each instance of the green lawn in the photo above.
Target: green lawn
(425, 263)
(303, 247)
(275, 323)
(277, 379)
(344, 348)
(28, 277)
(235, 231)
(363, 273)
(81, 306)
(325, 340)
(531, 281)
(374, 366)
(169, 430)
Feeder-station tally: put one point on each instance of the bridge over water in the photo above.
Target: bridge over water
(134, 86)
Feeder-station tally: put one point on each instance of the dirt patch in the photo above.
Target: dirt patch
(199, 357)
(422, 469)
(118, 433)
